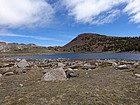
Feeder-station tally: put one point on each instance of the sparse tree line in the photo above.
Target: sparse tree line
(105, 43)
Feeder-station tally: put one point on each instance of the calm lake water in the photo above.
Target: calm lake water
(117, 56)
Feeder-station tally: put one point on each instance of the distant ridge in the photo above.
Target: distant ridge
(8, 47)
(15, 48)
(90, 42)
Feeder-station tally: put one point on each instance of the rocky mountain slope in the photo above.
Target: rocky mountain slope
(8, 47)
(89, 42)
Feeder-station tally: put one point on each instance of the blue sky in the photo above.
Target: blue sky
(56, 22)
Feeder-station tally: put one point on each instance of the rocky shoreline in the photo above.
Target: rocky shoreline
(11, 66)
(56, 71)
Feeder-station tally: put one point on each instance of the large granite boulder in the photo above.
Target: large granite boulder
(57, 74)
(22, 64)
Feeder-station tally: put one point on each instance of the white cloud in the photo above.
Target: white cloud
(107, 18)
(34, 13)
(133, 10)
(25, 13)
(32, 37)
(86, 11)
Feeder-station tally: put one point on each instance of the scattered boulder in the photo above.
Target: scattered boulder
(18, 59)
(88, 67)
(70, 74)
(96, 64)
(21, 85)
(114, 65)
(4, 70)
(70, 69)
(123, 67)
(8, 73)
(57, 74)
(22, 64)
(61, 65)
(0, 75)
(75, 69)
(136, 64)
(137, 75)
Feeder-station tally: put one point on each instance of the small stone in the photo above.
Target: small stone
(21, 85)
(18, 59)
(75, 69)
(70, 69)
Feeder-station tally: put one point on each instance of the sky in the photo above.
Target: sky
(56, 22)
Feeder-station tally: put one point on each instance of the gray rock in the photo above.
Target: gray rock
(18, 59)
(61, 65)
(8, 74)
(114, 65)
(57, 74)
(123, 67)
(136, 64)
(22, 64)
(137, 75)
(75, 69)
(88, 67)
(0, 75)
(4, 70)
(73, 75)
(70, 69)
(96, 64)
(21, 85)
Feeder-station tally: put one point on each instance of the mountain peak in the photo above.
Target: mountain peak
(91, 42)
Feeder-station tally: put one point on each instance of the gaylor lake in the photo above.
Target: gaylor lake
(87, 56)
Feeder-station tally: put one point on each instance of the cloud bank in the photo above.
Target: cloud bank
(25, 13)
(101, 11)
(93, 11)
(37, 13)
(133, 10)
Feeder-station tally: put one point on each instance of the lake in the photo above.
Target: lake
(82, 56)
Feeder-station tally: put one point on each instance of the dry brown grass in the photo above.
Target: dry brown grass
(101, 86)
